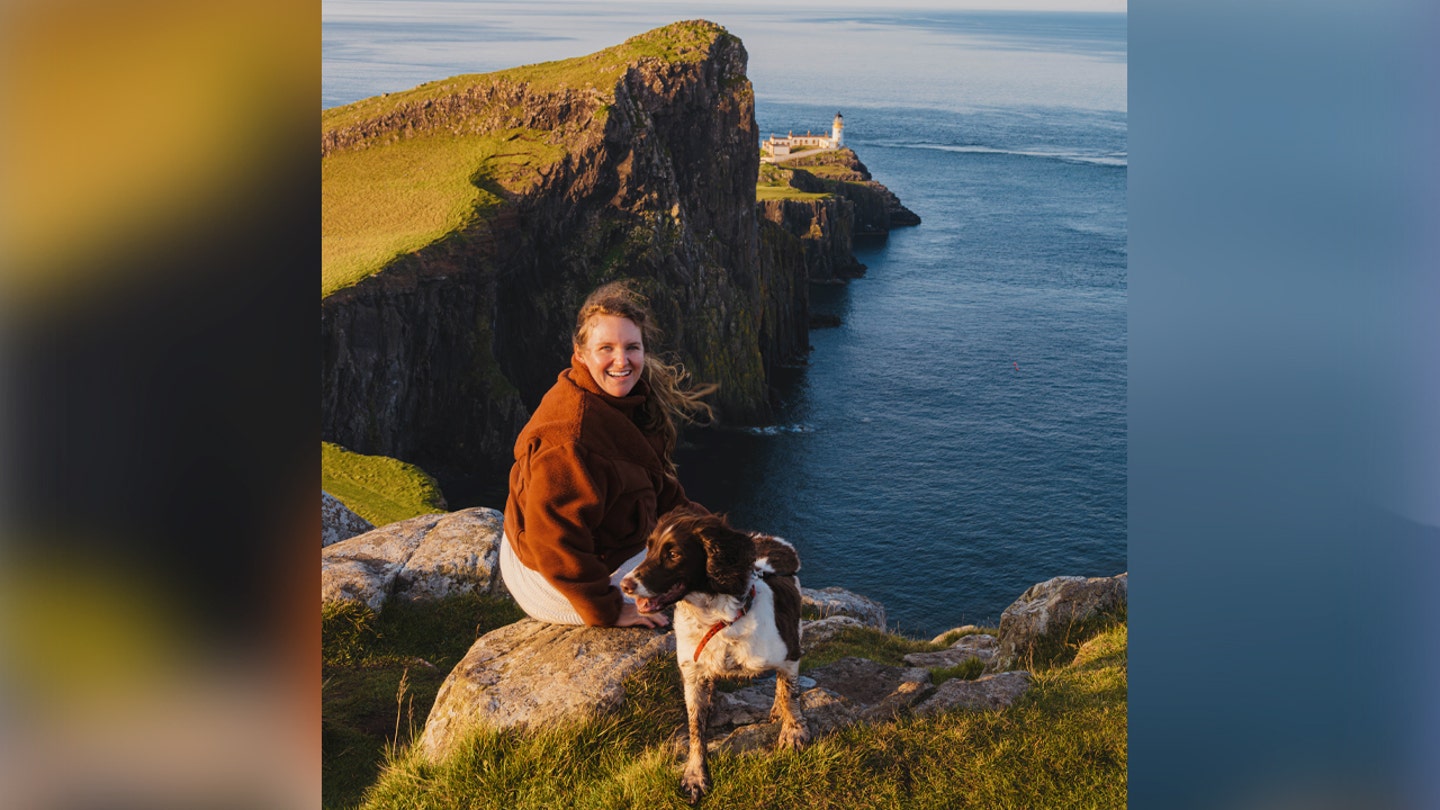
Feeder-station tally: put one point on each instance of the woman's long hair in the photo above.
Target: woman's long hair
(672, 398)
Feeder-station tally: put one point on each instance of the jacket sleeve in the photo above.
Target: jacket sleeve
(565, 502)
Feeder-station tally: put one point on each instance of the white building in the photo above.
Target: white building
(780, 147)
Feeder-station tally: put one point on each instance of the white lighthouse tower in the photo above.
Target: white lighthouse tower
(837, 132)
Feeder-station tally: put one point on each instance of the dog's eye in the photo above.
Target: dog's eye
(672, 555)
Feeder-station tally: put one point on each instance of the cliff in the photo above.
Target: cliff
(440, 334)
(825, 202)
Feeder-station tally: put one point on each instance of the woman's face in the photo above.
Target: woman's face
(613, 353)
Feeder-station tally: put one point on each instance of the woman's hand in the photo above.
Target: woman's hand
(630, 616)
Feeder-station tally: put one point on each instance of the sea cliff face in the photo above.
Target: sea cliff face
(439, 357)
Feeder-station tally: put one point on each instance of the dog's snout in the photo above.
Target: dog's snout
(627, 585)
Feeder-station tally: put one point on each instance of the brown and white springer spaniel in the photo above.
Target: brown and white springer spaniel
(737, 614)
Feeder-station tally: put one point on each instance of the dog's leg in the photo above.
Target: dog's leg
(698, 692)
(793, 733)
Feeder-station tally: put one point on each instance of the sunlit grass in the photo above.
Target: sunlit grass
(389, 199)
(378, 488)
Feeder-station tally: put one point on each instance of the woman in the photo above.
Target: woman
(594, 469)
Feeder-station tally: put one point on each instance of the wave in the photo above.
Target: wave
(776, 430)
(1121, 159)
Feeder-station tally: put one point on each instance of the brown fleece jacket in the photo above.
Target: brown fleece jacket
(586, 489)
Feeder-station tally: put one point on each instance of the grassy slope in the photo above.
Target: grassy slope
(774, 184)
(378, 488)
(386, 200)
(391, 199)
(1063, 745)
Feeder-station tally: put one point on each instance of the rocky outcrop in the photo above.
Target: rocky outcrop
(423, 558)
(849, 691)
(877, 209)
(532, 674)
(1055, 613)
(823, 229)
(337, 522)
(822, 630)
(980, 645)
(834, 601)
(983, 694)
(439, 358)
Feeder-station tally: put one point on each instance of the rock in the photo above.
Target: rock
(337, 522)
(839, 602)
(822, 630)
(758, 737)
(870, 683)
(824, 713)
(532, 674)
(966, 629)
(980, 645)
(1047, 613)
(426, 557)
(988, 692)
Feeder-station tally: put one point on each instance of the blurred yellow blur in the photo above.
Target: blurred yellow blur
(126, 123)
(141, 143)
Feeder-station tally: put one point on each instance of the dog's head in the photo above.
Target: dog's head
(689, 551)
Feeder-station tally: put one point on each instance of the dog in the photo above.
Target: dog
(737, 614)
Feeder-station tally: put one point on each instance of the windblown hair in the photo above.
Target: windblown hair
(672, 398)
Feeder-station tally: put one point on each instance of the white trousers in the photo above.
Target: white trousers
(537, 597)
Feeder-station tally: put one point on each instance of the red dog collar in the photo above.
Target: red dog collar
(722, 624)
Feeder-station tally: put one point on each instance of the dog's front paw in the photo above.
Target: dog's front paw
(694, 783)
(793, 737)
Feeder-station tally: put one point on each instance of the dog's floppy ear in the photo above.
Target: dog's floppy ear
(728, 556)
(774, 555)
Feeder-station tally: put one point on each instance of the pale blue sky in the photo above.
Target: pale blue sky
(954, 5)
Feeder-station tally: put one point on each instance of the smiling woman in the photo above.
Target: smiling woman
(613, 353)
(593, 468)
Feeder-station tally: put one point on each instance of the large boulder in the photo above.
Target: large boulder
(840, 602)
(1054, 613)
(533, 674)
(822, 630)
(338, 522)
(423, 558)
(987, 693)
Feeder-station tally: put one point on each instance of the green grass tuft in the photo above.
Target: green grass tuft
(381, 673)
(378, 488)
(967, 670)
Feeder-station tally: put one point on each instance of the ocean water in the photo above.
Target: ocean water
(962, 434)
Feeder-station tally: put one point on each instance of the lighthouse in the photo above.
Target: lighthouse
(837, 132)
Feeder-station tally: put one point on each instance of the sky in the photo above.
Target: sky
(953, 5)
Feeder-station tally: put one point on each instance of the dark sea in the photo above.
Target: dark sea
(962, 434)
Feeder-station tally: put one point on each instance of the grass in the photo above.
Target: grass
(396, 195)
(390, 199)
(774, 184)
(378, 488)
(381, 673)
(787, 193)
(1062, 745)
